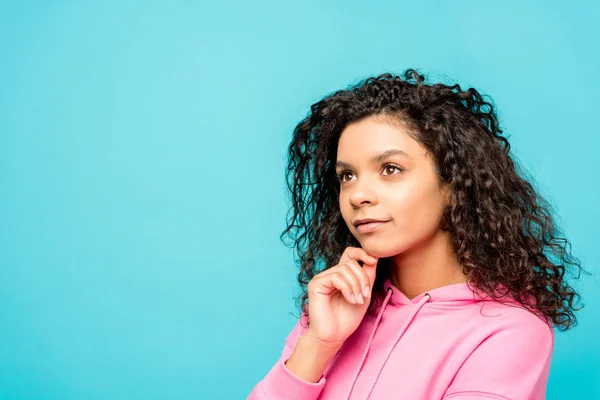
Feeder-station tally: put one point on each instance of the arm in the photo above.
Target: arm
(310, 359)
(298, 374)
(512, 363)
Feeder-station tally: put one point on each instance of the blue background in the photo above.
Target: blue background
(142, 155)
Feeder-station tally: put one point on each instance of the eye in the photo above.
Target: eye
(392, 166)
(386, 167)
(342, 174)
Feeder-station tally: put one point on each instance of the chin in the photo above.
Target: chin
(381, 251)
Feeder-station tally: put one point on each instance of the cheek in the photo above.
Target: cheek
(418, 210)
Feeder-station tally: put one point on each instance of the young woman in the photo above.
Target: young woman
(430, 268)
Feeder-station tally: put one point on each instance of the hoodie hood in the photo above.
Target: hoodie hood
(458, 292)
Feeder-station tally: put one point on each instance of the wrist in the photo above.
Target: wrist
(311, 357)
(323, 347)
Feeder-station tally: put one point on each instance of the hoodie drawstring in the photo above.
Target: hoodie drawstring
(364, 356)
(414, 312)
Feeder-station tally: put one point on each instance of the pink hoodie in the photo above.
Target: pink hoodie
(442, 344)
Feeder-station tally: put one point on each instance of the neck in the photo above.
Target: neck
(429, 265)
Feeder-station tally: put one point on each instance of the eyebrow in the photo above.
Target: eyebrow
(378, 158)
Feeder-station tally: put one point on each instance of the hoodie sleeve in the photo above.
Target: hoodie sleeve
(280, 383)
(512, 363)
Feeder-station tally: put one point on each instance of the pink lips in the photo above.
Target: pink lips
(370, 226)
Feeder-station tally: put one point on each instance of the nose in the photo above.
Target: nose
(362, 193)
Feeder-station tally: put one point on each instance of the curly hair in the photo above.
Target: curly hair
(502, 230)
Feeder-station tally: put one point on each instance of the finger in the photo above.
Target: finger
(351, 277)
(327, 284)
(363, 277)
(369, 262)
(357, 254)
(371, 270)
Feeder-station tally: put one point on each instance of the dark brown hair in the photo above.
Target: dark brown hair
(502, 230)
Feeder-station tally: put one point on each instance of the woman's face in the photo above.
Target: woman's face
(400, 188)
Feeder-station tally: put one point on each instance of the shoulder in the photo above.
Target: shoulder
(520, 330)
(508, 313)
(511, 357)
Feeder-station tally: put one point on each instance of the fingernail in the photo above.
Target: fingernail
(367, 291)
(361, 300)
(353, 298)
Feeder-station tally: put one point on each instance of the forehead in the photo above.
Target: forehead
(363, 139)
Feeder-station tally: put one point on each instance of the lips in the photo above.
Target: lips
(369, 227)
(366, 221)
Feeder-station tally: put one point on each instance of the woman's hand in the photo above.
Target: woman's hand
(338, 297)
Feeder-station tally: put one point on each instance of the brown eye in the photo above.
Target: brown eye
(388, 167)
(341, 175)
